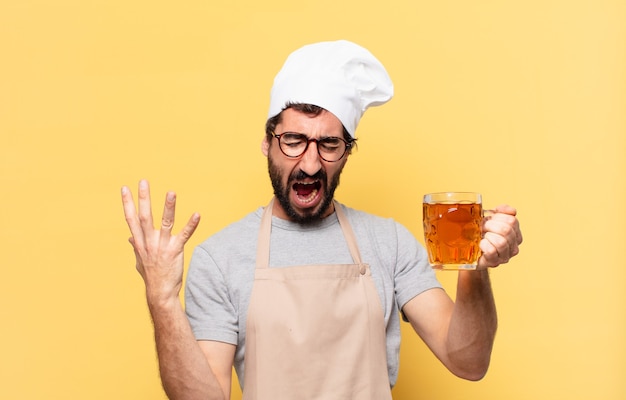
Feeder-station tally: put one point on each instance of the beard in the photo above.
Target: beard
(281, 192)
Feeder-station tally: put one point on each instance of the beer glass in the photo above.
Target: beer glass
(453, 229)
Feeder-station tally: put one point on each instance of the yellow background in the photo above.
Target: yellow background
(524, 101)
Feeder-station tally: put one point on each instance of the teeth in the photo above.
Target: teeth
(309, 198)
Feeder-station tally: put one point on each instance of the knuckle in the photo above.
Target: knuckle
(185, 234)
(143, 217)
(497, 241)
(505, 230)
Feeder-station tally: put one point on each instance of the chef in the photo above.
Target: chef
(304, 296)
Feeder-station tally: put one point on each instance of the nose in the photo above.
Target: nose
(310, 163)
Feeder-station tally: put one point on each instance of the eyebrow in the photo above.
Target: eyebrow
(307, 136)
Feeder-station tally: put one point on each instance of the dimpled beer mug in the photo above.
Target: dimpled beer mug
(452, 229)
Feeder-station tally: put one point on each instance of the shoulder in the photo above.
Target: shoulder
(384, 235)
(234, 234)
(374, 224)
(361, 215)
(228, 254)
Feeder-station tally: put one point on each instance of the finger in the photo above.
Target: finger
(495, 250)
(501, 245)
(130, 213)
(167, 221)
(502, 236)
(145, 209)
(506, 209)
(501, 230)
(504, 225)
(518, 232)
(517, 236)
(138, 259)
(188, 230)
(510, 230)
(489, 257)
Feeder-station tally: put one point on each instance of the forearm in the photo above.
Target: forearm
(472, 326)
(185, 371)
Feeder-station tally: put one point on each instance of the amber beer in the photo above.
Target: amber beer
(452, 229)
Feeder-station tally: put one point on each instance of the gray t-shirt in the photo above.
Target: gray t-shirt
(221, 271)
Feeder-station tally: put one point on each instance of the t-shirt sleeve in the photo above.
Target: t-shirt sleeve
(208, 304)
(413, 273)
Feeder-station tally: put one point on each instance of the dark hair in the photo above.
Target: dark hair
(308, 109)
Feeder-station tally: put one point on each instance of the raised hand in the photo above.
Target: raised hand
(158, 253)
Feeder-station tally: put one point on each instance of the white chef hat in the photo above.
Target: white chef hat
(339, 76)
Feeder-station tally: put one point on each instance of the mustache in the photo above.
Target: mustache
(301, 175)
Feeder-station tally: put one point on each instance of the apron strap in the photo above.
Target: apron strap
(348, 233)
(263, 242)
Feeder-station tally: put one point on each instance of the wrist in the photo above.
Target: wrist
(159, 302)
(478, 274)
(474, 282)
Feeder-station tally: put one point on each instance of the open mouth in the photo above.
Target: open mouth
(306, 192)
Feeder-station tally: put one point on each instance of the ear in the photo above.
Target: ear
(265, 146)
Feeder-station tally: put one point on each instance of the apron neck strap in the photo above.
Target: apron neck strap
(348, 233)
(263, 242)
